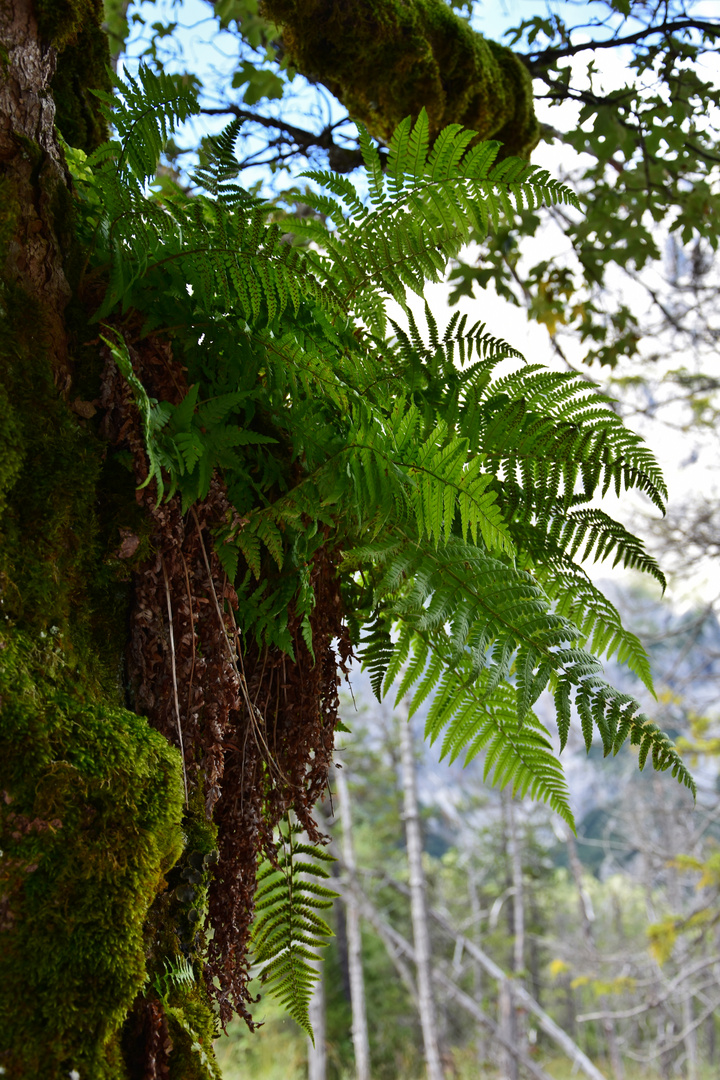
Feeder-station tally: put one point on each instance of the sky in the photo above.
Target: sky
(691, 464)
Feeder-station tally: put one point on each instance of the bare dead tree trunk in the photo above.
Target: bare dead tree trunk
(361, 1042)
(317, 1052)
(476, 910)
(510, 1015)
(418, 902)
(586, 918)
(691, 1038)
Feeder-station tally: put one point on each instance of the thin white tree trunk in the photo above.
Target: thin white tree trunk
(418, 902)
(395, 943)
(507, 1022)
(481, 1048)
(690, 1038)
(518, 886)
(361, 1042)
(317, 1054)
(510, 1014)
(586, 919)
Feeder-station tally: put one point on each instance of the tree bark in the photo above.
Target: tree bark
(616, 1062)
(33, 176)
(361, 1042)
(418, 901)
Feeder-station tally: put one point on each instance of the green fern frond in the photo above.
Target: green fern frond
(477, 625)
(576, 598)
(287, 931)
(144, 112)
(177, 972)
(457, 489)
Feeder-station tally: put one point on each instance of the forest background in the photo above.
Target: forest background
(613, 935)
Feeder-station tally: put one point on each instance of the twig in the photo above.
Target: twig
(192, 634)
(174, 676)
(233, 655)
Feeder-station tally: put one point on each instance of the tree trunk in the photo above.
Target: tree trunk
(690, 1038)
(90, 795)
(418, 901)
(511, 1017)
(507, 1022)
(361, 1042)
(33, 179)
(476, 911)
(586, 916)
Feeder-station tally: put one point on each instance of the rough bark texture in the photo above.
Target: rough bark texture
(90, 795)
(32, 176)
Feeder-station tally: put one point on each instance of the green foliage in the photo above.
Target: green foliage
(649, 148)
(457, 490)
(287, 930)
(90, 824)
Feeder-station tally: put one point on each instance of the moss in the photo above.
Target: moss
(90, 794)
(82, 65)
(75, 29)
(92, 808)
(387, 59)
(65, 500)
(193, 1030)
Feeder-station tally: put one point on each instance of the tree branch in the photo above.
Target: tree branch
(340, 158)
(536, 61)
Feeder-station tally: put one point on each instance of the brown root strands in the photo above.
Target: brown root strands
(255, 726)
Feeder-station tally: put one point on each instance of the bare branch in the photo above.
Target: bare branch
(537, 61)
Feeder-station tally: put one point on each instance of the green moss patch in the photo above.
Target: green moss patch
(91, 801)
(74, 28)
(387, 59)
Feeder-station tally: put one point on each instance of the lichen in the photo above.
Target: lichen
(387, 59)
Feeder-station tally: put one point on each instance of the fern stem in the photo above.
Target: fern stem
(174, 676)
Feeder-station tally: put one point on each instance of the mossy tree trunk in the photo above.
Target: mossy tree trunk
(388, 59)
(90, 794)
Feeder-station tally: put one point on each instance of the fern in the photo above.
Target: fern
(455, 478)
(287, 929)
(177, 973)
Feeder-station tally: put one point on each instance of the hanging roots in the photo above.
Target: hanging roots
(256, 728)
